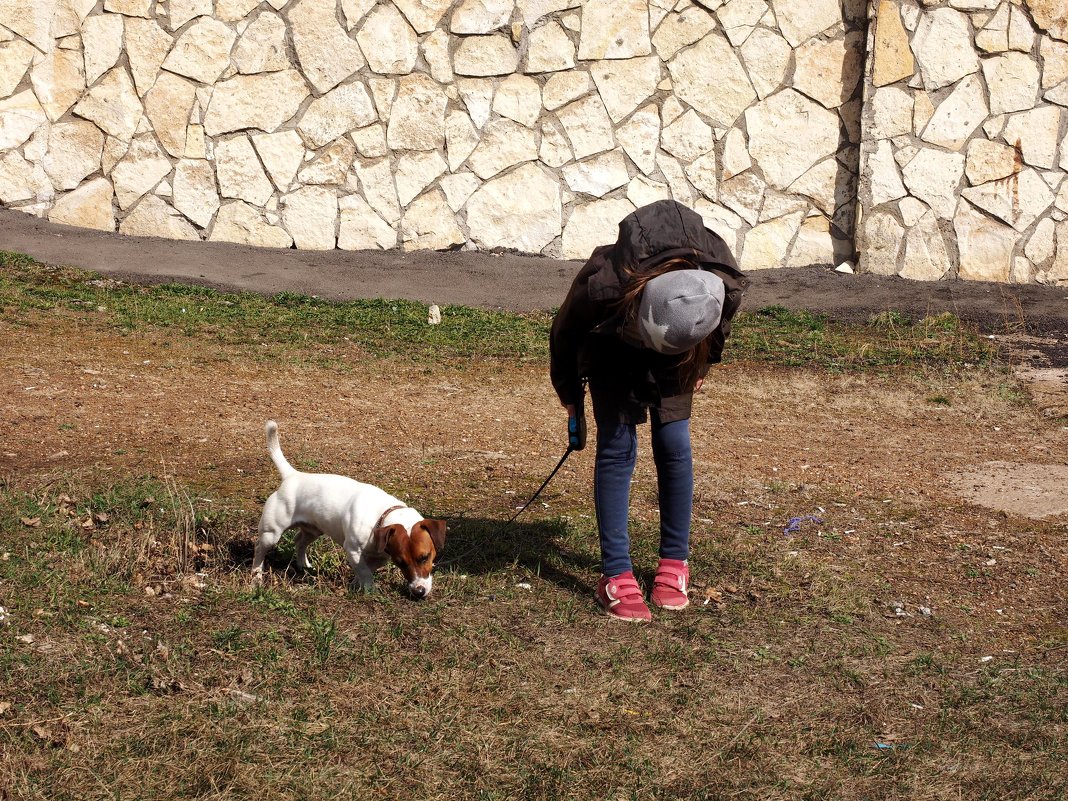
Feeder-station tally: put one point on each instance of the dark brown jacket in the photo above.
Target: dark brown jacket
(587, 339)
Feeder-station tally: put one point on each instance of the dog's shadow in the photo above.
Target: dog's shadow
(477, 546)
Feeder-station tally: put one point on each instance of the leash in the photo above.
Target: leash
(570, 450)
(576, 441)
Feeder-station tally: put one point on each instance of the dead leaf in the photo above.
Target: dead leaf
(32, 522)
(101, 517)
(713, 595)
(4, 707)
(316, 727)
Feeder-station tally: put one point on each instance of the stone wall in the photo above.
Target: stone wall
(536, 125)
(965, 146)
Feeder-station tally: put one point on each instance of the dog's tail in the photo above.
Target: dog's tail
(275, 449)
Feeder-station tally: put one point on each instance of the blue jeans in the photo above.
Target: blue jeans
(617, 451)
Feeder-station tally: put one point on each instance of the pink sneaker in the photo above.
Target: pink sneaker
(670, 584)
(621, 598)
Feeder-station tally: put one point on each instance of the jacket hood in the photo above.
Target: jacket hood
(665, 226)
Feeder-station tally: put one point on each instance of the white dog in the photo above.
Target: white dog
(368, 523)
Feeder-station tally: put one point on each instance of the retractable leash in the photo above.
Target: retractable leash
(576, 441)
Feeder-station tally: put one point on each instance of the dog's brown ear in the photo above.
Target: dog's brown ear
(381, 536)
(437, 533)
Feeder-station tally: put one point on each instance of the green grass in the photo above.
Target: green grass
(268, 327)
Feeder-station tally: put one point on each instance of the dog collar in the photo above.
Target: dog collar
(387, 513)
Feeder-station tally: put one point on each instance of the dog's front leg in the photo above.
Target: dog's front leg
(362, 573)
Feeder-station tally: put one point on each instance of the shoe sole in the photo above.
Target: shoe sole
(608, 612)
(672, 608)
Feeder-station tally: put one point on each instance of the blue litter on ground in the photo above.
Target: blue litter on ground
(794, 525)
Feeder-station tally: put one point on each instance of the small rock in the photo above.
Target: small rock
(845, 267)
(434, 315)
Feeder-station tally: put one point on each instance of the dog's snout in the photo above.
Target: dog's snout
(420, 592)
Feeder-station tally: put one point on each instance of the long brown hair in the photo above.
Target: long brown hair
(634, 281)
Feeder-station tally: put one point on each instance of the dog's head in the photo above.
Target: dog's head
(413, 552)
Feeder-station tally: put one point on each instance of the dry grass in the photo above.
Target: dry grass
(138, 662)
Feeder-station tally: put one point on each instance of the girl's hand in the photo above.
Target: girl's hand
(700, 383)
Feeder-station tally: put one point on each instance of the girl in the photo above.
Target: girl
(642, 322)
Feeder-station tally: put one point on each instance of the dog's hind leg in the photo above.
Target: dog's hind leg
(305, 537)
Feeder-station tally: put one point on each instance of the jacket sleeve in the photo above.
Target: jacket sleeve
(577, 316)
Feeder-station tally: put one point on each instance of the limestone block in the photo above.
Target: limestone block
(194, 193)
(1057, 274)
(15, 59)
(518, 98)
(994, 37)
(16, 178)
(477, 95)
(521, 210)
(131, 8)
(598, 175)
(338, 111)
(168, 105)
(154, 217)
(371, 141)
(262, 102)
(828, 71)
(823, 184)
(641, 191)
(1018, 200)
(354, 11)
(113, 105)
(262, 47)
(32, 21)
(768, 244)
(326, 54)
(361, 228)
(384, 91)
(147, 45)
(88, 206)
(429, 224)
(1013, 82)
(923, 109)
(332, 165)
(73, 153)
(891, 113)
(388, 42)
(1058, 94)
(722, 100)
(682, 29)
(943, 46)
(139, 171)
(800, 20)
(788, 134)
(893, 59)
(639, 135)
(242, 224)
(549, 49)
(703, 174)
(504, 144)
(58, 79)
(435, 50)
(179, 12)
(593, 224)
(458, 187)
(881, 172)
(881, 243)
(934, 177)
(588, 127)
(989, 161)
(481, 16)
(676, 179)
(1035, 133)
(735, 154)
(376, 183)
(310, 215)
(554, 150)
(1054, 62)
(202, 52)
(240, 173)
(614, 29)
(1049, 16)
(744, 195)
(460, 138)
(564, 87)
(20, 117)
(1041, 247)
(114, 150)
(481, 56)
(766, 56)
(1021, 34)
(281, 154)
(625, 84)
(958, 115)
(533, 10)
(724, 222)
(926, 257)
(985, 245)
(814, 245)
(912, 211)
(423, 15)
(235, 10)
(102, 43)
(740, 17)
(414, 172)
(688, 137)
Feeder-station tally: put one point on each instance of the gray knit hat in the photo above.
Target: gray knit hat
(679, 309)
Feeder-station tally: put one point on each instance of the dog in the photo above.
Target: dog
(370, 525)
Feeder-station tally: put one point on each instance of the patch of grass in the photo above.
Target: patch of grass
(285, 323)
